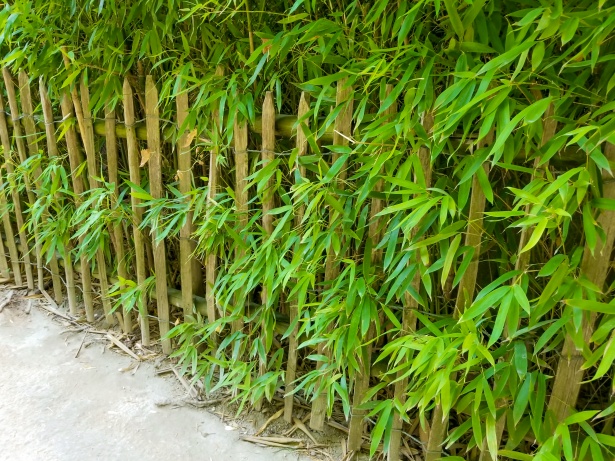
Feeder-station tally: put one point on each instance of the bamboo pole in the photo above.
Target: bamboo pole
(291, 365)
(155, 180)
(9, 165)
(137, 211)
(408, 322)
(116, 231)
(4, 264)
(10, 235)
(184, 166)
(240, 143)
(595, 267)
(361, 386)
(467, 285)
(84, 118)
(78, 188)
(52, 152)
(522, 264)
(342, 130)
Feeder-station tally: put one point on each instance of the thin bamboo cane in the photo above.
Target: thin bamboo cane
(137, 211)
(408, 322)
(361, 386)
(240, 143)
(31, 135)
(116, 231)
(467, 285)
(84, 118)
(10, 235)
(74, 158)
(184, 166)
(4, 264)
(10, 89)
(291, 365)
(342, 129)
(212, 259)
(52, 152)
(522, 264)
(267, 156)
(594, 267)
(155, 180)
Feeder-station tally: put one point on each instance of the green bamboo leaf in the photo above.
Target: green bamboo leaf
(592, 306)
(536, 235)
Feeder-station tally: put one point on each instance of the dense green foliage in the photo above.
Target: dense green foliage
(480, 68)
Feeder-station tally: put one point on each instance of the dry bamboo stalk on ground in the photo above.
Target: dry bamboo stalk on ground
(116, 231)
(267, 156)
(9, 166)
(84, 118)
(155, 180)
(342, 129)
(137, 211)
(78, 189)
(240, 142)
(522, 264)
(52, 151)
(291, 364)
(408, 322)
(595, 268)
(465, 295)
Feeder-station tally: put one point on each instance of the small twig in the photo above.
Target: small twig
(275, 416)
(305, 430)
(122, 346)
(81, 345)
(6, 302)
(29, 306)
(192, 392)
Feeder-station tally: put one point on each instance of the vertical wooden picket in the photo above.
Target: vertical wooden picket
(408, 322)
(18, 136)
(4, 263)
(291, 365)
(342, 129)
(184, 166)
(9, 234)
(78, 189)
(361, 386)
(155, 180)
(137, 211)
(240, 143)
(52, 152)
(116, 231)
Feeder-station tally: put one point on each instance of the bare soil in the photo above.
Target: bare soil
(57, 405)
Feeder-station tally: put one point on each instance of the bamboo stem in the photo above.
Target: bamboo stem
(116, 230)
(240, 143)
(137, 211)
(155, 179)
(10, 235)
(342, 130)
(78, 189)
(291, 365)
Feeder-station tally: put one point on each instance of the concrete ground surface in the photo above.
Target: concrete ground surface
(55, 407)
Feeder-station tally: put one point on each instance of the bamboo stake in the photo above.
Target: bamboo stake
(522, 264)
(52, 152)
(240, 142)
(342, 130)
(595, 268)
(267, 156)
(361, 386)
(30, 129)
(155, 179)
(408, 322)
(212, 259)
(10, 236)
(116, 231)
(78, 189)
(137, 211)
(4, 264)
(84, 118)
(465, 294)
(184, 166)
(9, 166)
(291, 365)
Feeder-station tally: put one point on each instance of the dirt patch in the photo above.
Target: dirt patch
(59, 405)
